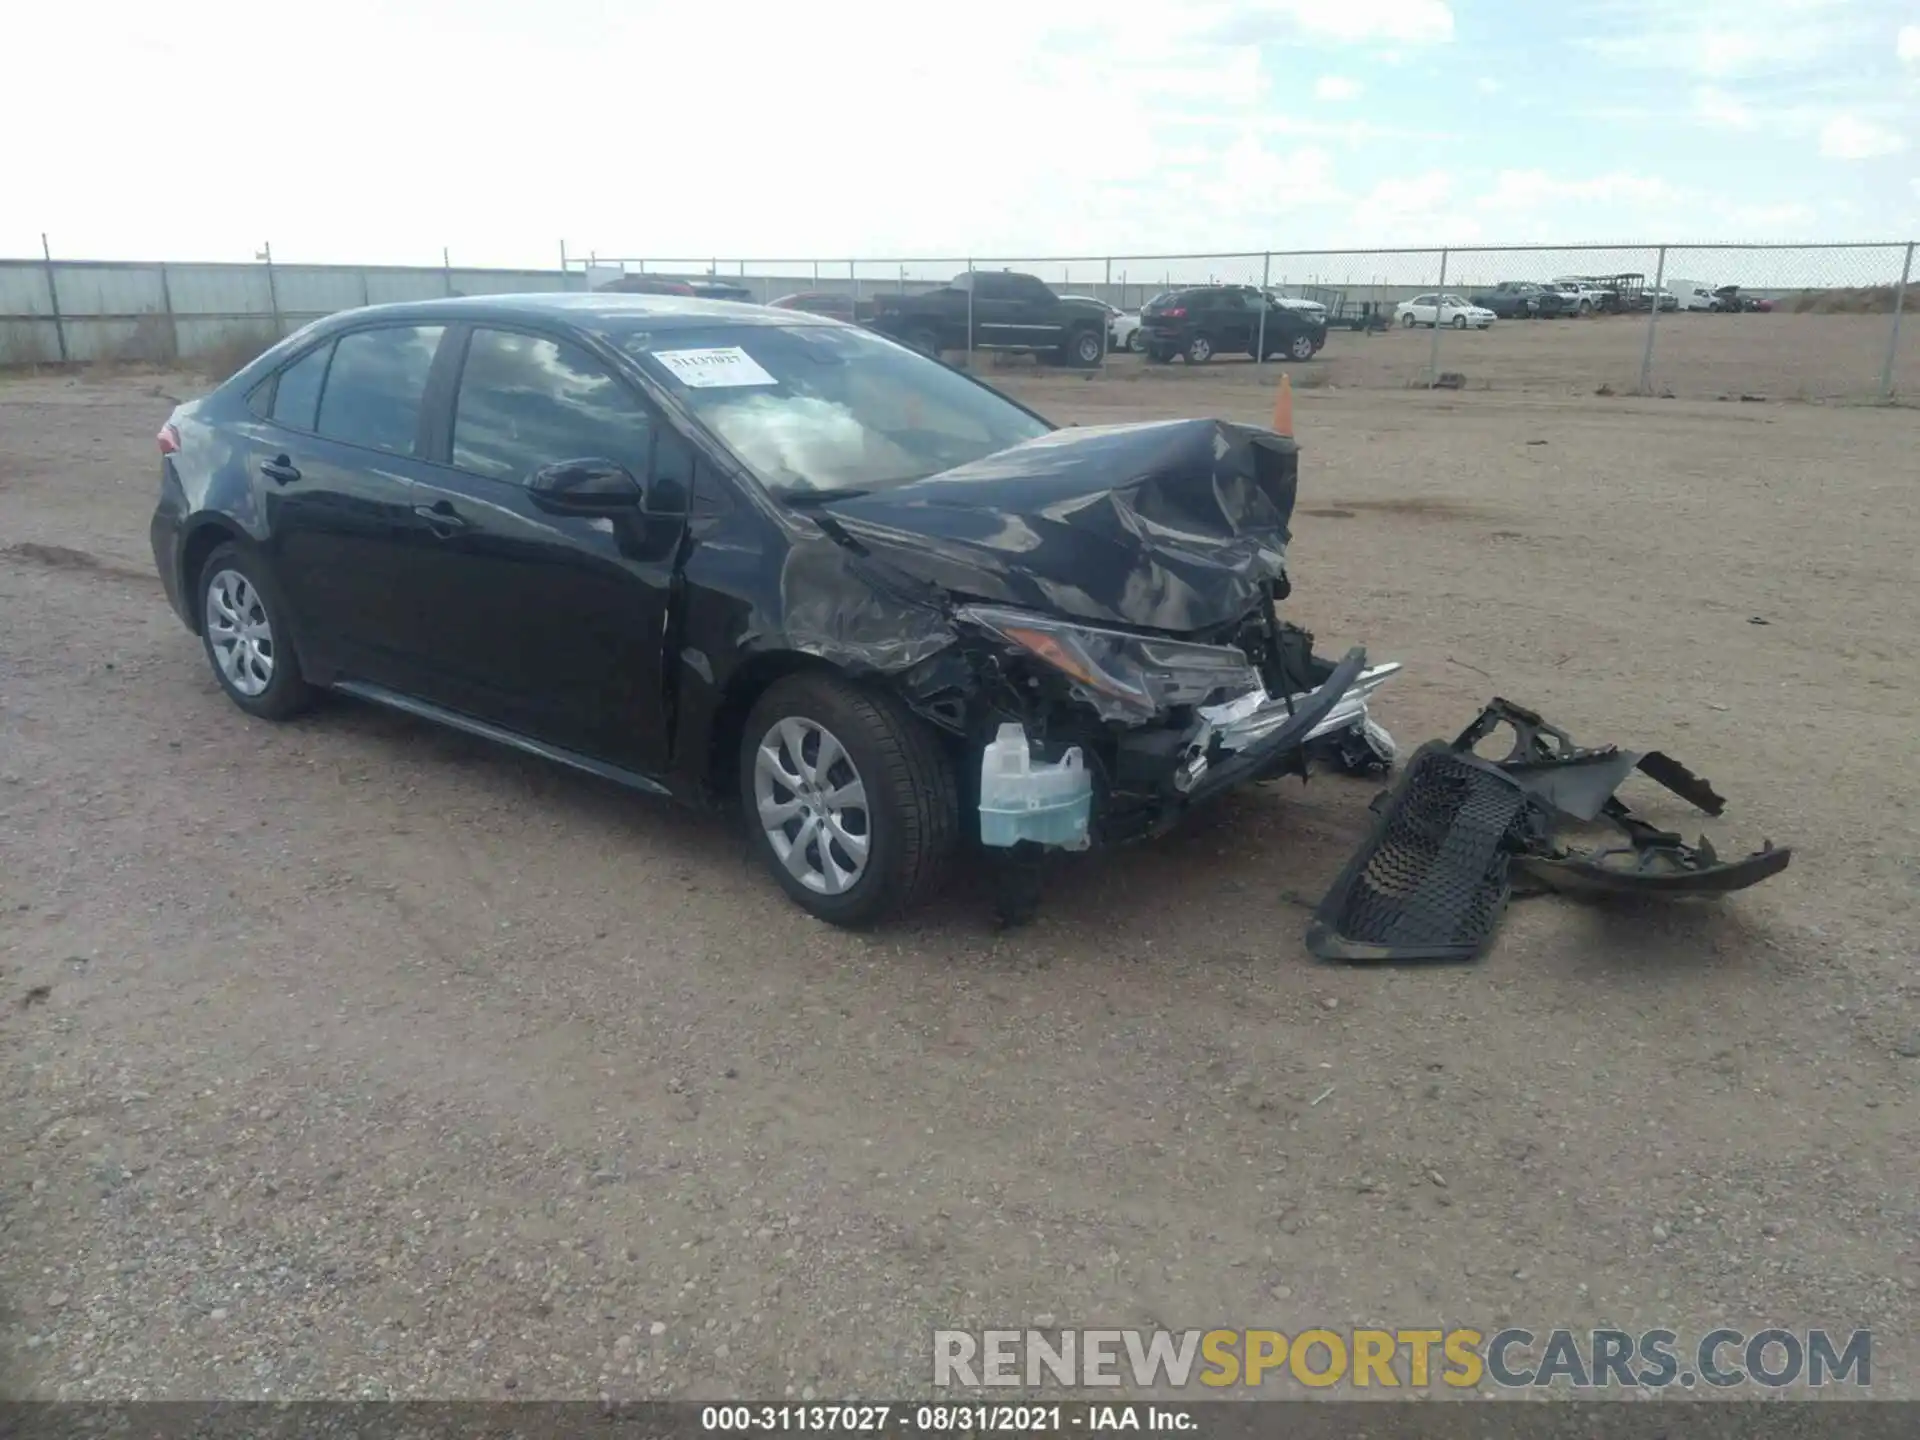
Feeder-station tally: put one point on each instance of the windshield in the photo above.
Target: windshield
(828, 408)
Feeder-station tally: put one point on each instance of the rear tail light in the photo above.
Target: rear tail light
(1178, 312)
(169, 439)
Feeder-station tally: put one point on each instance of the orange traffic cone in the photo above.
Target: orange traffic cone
(1283, 407)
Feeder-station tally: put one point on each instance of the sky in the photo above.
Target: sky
(382, 132)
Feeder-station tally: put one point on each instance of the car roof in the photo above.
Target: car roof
(594, 310)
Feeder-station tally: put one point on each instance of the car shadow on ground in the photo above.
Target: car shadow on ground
(1240, 874)
(1249, 842)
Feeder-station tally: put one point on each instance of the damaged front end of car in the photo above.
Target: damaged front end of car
(1157, 724)
(1099, 628)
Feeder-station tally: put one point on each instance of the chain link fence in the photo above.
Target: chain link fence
(1822, 322)
(1811, 322)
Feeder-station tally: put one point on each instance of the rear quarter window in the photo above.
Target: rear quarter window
(296, 391)
(374, 387)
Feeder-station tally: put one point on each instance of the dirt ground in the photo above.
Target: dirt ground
(352, 1058)
(1695, 357)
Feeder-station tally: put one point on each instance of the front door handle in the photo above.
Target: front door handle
(441, 518)
(279, 469)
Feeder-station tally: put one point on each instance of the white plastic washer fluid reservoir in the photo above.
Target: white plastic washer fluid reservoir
(1025, 799)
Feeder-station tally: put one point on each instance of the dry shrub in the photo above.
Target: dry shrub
(152, 342)
(1848, 300)
(234, 352)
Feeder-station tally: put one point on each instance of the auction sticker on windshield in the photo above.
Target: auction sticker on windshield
(728, 367)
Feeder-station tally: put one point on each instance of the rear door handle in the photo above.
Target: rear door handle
(279, 469)
(441, 518)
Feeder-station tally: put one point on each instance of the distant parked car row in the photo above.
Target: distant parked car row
(1006, 310)
(707, 289)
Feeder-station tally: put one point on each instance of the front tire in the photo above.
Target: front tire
(848, 797)
(1406, 321)
(244, 630)
(1136, 342)
(1301, 348)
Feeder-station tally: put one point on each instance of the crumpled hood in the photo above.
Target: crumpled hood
(1171, 525)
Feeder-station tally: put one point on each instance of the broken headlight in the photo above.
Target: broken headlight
(1123, 676)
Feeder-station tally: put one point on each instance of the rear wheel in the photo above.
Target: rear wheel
(1199, 350)
(1406, 320)
(243, 627)
(1085, 349)
(1136, 342)
(849, 798)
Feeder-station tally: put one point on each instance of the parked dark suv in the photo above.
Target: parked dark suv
(1208, 320)
(718, 550)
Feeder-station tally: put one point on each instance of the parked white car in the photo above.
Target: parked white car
(1436, 310)
(1123, 326)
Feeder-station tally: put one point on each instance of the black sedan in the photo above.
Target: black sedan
(729, 552)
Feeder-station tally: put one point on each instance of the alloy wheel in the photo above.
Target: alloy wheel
(813, 805)
(239, 632)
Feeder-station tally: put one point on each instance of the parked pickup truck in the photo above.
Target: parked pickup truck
(1006, 311)
(1586, 295)
(1524, 300)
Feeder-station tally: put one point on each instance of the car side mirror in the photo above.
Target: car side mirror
(590, 486)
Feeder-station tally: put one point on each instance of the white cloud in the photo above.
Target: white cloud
(1533, 190)
(1851, 137)
(1487, 86)
(1428, 209)
(1778, 220)
(1412, 22)
(1729, 39)
(1717, 108)
(1907, 44)
(1335, 87)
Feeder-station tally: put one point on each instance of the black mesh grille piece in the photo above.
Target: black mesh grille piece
(1431, 880)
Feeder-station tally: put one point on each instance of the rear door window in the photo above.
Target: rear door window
(375, 384)
(526, 402)
(296, 394)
